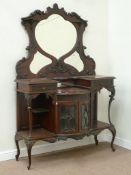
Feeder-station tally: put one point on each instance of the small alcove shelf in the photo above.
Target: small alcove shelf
(40, 110)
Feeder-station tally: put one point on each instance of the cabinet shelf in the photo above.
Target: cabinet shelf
(37, 134)
(40, 110)
(41, 133)
(100, 125)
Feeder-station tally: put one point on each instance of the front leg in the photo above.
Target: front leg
(112, 128)
(112, 90)
(113, 131)
(29, 144)
(17, 139)
(96, 140)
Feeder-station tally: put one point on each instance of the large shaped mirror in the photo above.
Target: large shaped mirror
(55, 35)
(55, 45)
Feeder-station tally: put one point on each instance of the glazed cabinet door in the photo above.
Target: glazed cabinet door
(84, 115)
(68, 116)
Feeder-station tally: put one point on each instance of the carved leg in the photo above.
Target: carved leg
(113, 131)
(29, 144)
(18, 150)
(96, 140)
(112, 128)
(17, 139)
(112, 90)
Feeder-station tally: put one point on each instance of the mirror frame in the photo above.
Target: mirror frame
(58, 68)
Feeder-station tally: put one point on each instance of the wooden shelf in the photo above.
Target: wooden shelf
(42, 133)
(37, 134)
(40, 110)
(100, 125)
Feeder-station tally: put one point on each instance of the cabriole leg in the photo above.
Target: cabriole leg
(29, 145)
(17, 139)
(112, 128)
(96, 140)
(113, 131)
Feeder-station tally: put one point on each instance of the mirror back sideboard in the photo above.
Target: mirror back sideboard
(57, 87)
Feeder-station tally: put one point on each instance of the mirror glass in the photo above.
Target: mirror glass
(75, 61)
(38, 62)
(55, 35)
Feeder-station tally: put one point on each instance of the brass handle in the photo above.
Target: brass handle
(44, 88)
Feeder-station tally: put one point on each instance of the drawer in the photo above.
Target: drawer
(73, 97)
(42, 87)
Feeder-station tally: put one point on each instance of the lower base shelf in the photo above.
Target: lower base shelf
(36, 134)
(43, 134)
(100, 125)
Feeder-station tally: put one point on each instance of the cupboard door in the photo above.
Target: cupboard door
(84, 108)
(68, 116)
